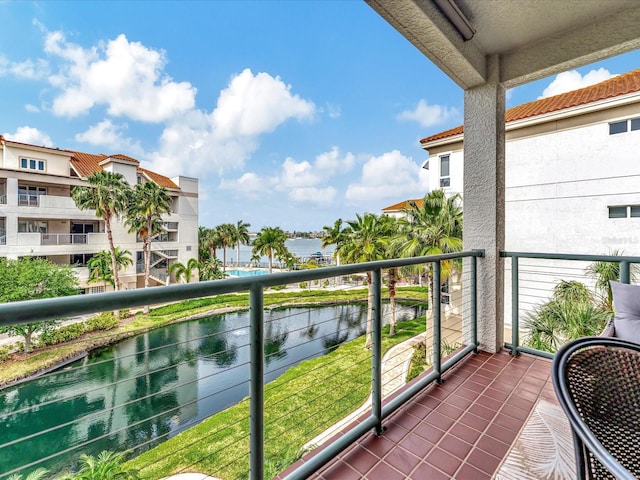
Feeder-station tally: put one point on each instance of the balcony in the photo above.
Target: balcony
(470, 415)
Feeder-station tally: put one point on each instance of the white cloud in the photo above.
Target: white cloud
(30, 135)
(391, 175)
(125, 76)
(428, 115)
(27, 69)
(572, 80)
(31, 108)
(303, 182)
(334, 111)
(109, 135)
(250, 106)
(313, 195)
(255, 104)
(247, 183)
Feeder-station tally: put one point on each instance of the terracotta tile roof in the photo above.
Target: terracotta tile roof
(403, 205)
(87, 163)
(161, 180)
(614, 87)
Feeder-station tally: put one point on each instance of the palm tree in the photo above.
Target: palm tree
(211, 269)
(100, 265)
(108, 194)
(365, 240)
(433, 228)
(392, 227)
(184, 271)
(225, 232)
(334, 235)
(604, 273)
(270, 241)
(144, 217)
(240, 237)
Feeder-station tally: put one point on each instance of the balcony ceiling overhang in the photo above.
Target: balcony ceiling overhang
(532, 39)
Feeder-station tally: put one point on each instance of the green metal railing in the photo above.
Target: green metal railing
(515, 347)
(25, 312)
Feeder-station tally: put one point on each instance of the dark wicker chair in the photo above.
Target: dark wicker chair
(597, 381)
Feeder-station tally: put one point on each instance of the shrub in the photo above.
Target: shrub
(303, 285)
(62, 334)
(103, 321)
(278, 287)
(4, 353)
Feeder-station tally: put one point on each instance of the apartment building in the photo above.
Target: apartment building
(583, 196)
(38, 217)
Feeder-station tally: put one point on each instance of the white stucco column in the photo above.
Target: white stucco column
(484, 155)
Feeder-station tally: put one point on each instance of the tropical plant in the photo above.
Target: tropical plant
(148, 203)
(365, 239)
(108, 194)
(208, 243)
(29, 279)
(269, 242)
(38, 474)
(433, 228)
(240, 237)
(106, 466)
(569, 314)
(604, 273)
(100, 265)
(225, 232)
(211, 269)
(334, 235)
(183, 271)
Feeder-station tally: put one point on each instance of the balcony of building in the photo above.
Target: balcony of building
(471, 414)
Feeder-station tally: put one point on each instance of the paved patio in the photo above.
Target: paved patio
(466, 427)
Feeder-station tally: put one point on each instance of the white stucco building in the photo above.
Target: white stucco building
(572, 179)
(38, 217)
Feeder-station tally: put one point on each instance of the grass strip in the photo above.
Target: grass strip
(219, 446)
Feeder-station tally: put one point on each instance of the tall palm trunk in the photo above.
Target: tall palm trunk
(368, 342)
(238, 254)
(112, 250)
(270, 257)
(224, 257)
(392, 300)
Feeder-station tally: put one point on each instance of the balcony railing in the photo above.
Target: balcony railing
(534, 277)
(3, 199)
(63, 238)
(28, 200)
(28, 312)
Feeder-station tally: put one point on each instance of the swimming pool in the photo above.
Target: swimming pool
(246, 273)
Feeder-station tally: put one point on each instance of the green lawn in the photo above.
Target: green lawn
(300, 404)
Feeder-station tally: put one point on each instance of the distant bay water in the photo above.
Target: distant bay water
(300, 247)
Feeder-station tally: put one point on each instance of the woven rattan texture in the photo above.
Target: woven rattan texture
(605, 387)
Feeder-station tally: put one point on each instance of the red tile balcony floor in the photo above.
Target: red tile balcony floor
(461, 429)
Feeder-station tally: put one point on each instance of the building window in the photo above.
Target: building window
(618, 212)
(28, 195)
(188, 248)
(96, 290)
(635, 210)
(32, 226)
(445, 178)
(80, 259)
(33, 164)
(624, 126)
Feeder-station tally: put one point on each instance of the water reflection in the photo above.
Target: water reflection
(147, 388)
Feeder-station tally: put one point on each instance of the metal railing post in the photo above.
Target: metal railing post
(474, 302)
(515, 307)
(376, 352)
(256, 389)
(625, 272)
(437, 323)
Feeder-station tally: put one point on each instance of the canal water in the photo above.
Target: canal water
(145, 389)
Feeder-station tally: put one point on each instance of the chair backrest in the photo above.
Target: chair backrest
(597, 381)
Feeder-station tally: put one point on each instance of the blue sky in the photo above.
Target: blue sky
(290, 113)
